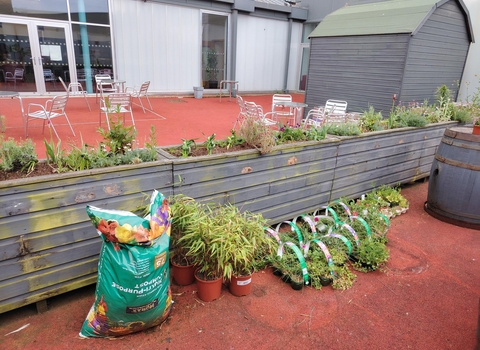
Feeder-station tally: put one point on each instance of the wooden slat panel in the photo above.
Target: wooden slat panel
(84, 188)
(60, 288)
(32, 263)
(47, 242)
(47, 278)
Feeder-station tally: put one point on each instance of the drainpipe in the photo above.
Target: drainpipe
(233, 60)
(289, 43)
(85, 48)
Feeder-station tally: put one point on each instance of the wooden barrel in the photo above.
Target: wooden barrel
(454, 184)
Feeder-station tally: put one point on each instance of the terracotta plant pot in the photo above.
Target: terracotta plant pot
(241, 285)
(183, 275)
(208, 290)
(476, 130)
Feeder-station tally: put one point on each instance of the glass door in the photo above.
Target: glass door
(33, 55)
(51, 59)
(214, 49)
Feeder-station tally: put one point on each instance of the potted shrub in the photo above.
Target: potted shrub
(243, 244)
(204, 249)
(186, 213)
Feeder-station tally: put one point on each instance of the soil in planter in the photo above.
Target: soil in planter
(200, 150)
(40, 169)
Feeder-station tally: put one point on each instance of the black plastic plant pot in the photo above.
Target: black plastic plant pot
(326, 281)
(297, 285)
(277, 272)
(286, 278)
(353, 258)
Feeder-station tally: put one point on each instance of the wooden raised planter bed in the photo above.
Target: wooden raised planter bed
(48, 245)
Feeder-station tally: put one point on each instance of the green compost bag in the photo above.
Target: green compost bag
(133, 285)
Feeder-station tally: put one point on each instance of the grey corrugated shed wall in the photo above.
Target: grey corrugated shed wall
(368, 69)
(437, 54)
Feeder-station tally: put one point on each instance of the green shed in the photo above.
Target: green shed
(365, 54)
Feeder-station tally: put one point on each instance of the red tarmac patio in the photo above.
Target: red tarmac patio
(427, 298)
(175, 118)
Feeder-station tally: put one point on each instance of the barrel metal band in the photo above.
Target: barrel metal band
(457, 163)
(457, 143)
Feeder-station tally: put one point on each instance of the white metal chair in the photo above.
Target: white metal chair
(116, 103)
(315, 117)
(103, 84)
(75, 89)
(53, 108)
(280, 110)
(256, 111)
(140, 92)
(17, 75)
(335, 111)
(242, 113)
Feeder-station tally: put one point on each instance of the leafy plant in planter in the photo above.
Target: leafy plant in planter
(258, 135)
(371, 120)
(346, 129)
(17, 156)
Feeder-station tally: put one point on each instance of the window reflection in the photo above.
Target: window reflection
(49, 9)
(15, 57)
(93, 52)
(92, 11)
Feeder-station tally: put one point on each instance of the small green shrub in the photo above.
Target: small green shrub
(290, 134)
(462, 115)
(413, 120)
(347, 129)
(17, 156)
(119, 139)
(371, 120)
(210, 143)
(231, 141)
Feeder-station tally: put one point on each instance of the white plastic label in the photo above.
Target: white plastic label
(244, 283)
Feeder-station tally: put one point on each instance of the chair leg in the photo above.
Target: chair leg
(151, 108)
(86, 100)
(141, 103)
(50, 124)
(133, 121)
(108, 120)
(68, 121)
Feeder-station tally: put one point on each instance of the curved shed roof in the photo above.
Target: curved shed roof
(387, 17)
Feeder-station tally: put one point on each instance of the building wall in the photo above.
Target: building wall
(436, 55)
(165, 48)
(362, 70)
(157, 42)
(261, 54)
(471, 75)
